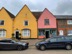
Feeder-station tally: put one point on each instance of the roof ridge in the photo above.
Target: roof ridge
(10, 14)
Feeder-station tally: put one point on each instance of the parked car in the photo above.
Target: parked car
(55, 42)
(12, 44)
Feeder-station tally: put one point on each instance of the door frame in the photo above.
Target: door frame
(15, 32)
(46, 31)
(61, 32)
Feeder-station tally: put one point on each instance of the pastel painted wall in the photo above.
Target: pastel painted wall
(25, 14)
(46, 15)
(7, 23)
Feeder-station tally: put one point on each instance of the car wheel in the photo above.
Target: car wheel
(19, 48)
(68, 47)
(42, 47)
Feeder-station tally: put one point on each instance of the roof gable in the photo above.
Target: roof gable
(25, 7)
(37, 14)
(10, 14)
(47, 13)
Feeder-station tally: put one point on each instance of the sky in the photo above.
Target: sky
(57, 7)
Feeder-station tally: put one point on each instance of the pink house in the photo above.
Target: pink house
(46, 24)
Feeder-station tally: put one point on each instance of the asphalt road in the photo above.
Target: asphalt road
(33, 50)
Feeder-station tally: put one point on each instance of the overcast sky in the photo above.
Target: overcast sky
(62, 7)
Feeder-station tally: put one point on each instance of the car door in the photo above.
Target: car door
(7, 44)
(3, 44)
(10, 45)
(61, 42)
(52, 43)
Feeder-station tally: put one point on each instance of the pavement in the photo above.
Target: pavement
(32, 49)
(31, 41)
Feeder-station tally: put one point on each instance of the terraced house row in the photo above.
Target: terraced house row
(27, 24)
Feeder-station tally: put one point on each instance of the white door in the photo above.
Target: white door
(60, 32)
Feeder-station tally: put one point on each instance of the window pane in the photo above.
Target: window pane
(2, 33)
(26, 32)
(68, 37)
(69, 32)
(69, 22)
(1, 22)
(53, 40)
(60, 38)
(25, 23)
(46, 21)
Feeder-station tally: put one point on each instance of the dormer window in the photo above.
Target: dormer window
(46, 21)
(1, 22)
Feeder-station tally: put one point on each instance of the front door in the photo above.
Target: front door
(47, 34)
(17, 35)
(60, 32)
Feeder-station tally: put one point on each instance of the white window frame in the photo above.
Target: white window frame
(70, 32)
(69, 22)
(24, 23)
(26, 33)
(0, 24)
(3, 33)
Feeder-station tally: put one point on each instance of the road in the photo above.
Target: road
(33, 50)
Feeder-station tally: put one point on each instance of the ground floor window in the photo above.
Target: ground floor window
(53, 32)
(47, 32)
(41, 32)
(69, 32)
(2, 33)
(26, 33)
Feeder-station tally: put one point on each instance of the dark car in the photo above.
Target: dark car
(55, 42)
(12, 44)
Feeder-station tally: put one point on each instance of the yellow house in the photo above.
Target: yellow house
(6, 23)
(25, 24)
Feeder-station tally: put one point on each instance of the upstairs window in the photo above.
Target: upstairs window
(1, 22)
(69, 32)
(26, 23)
(69, 22)
(46, 21)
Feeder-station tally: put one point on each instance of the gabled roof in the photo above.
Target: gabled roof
(22, 9)
(37, 14)
(9, 13)
(63, 16)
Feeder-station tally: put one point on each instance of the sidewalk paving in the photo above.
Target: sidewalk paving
(31, 41)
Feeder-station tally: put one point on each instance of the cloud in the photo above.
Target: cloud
(64, 7)
(14, 6)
